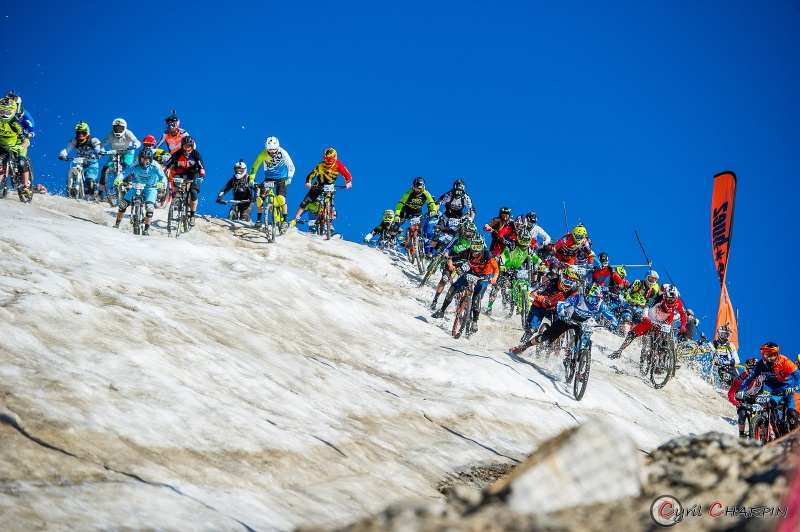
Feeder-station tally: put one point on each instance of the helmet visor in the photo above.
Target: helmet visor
(5, 114)
(118, 128)
(567, 283)
(81, 135)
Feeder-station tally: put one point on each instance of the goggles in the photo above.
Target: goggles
(568, 283)
(118, 129)
(81, 135)
(172, 125)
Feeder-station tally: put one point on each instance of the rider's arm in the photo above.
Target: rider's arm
(289, 164)
(344, 171)
(263, 156)
(402, 202)
(132, 139)
(432, 208)
(69, 148)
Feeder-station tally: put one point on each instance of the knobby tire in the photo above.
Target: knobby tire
(584, 363)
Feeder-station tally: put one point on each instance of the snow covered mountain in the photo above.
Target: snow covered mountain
(218, 382)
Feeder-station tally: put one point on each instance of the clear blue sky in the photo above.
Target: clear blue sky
(624, 111)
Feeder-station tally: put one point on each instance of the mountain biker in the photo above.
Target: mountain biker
(120, 138)
(529, 223)
(544, 302)
(724, 356)
(23, 116)
(278, 168)
(662, 311)
(14, 142)
(461, 242)
(325, 173)
(387, 227)
(750, 394)
(579, 308)
(781, 376)
(142, 172)
(188, 163)
(173, 136)
(453, 204)
(567, 248)
(691, 328)
(511, 261)
(477, 261)
(242, 190)
(86, 147)
(503, 230)
(606, 276)
(410, 205)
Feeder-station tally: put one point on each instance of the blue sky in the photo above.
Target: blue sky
(624, 111)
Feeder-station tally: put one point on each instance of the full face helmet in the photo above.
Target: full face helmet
(671, 295)
(82, 132)
(603, 259)
(418, 184)
(145, 156)
(593, 297)
(524, 239)
(579, 233)
(750, 363)
(8, 108)
(240, 169)
(476, 245)
(621, 271)
(388, 215)
(652, 277)
(329, 156)
(567, 280)
(272, 145)
(468, 230)
(118, 126)
(724, 334)
(459, 187)
(531, 217)
(173, 123)
(769, 353)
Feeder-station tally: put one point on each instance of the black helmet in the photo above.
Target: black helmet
(750, 363)
(603, 258)
(459, 187)
(187, 141)
(418, 183)
(146, 153)
(531, 217)
(505, 210)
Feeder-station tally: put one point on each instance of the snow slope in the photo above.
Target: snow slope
(218, 382)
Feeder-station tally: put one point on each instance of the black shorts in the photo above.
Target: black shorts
(280, 187)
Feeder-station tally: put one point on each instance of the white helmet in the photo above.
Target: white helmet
(240, 169)
(119, 125)
(653, 274)
(272, 143)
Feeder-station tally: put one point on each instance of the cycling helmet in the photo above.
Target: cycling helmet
(459, 187)
(149, 141)
(82, 131)
(146, 153)
(272, 144)
(690, 313)
(240, 169)
(603, 259)
(524, 239)
(636, 286)
(621, 271)
(187, 141)
(770, 348)
(671, 294)
(476, 245)
(724, 333)
(750, 363)
(329, 155)
(567, 280)
(594, 296)
(531, 217)
(653, 274)
(119, 125)
(468, 230)
(418, 183)
(388, 215)
(173, 122)
(504, 210)
(8, 108)
(579, 232)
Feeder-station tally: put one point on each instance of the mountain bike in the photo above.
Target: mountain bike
(108, 175)
(326, 209)
(10, 175)
(137, 208)
(75, 184)
(178, 216)
(578, 361)
(271, 211)
(415, 245)
(773, 420)
(164, 195)
(446, 242)
(519, 295)
(233, 213)
(658, 354)
(753, 411)
(463, 320)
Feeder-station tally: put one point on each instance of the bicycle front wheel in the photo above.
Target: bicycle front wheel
(434, 265)
(419, 255)
(582, 371)
(174, 218)
(270, 229)
(328, 212)
(661, 368)
(463, 315)
(137, 217)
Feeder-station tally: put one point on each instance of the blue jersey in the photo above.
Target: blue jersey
(574, 307)
(150, 175)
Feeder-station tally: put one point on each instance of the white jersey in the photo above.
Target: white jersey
(122, 143)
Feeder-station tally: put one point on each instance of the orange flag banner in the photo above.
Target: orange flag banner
(722, 202)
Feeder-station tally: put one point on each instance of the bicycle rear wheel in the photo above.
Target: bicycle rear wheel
(582, 371)
(434, 265)
(761, 430)
(463, 315)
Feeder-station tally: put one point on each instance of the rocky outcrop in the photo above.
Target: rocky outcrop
(592, 478)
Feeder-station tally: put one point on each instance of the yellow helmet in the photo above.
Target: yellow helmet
(579, 232)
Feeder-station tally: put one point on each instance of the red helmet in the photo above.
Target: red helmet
(149, 141)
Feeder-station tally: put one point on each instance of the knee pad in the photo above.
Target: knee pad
(259, 202)
(148, 209)
(23, 164)
(280, 201)
(123, 205)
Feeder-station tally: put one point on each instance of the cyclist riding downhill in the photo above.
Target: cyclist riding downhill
(277, 166)
(121, 138)
(511, 261)
(325, 173)
(242, 191)
(781, 377)
(148, 174)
